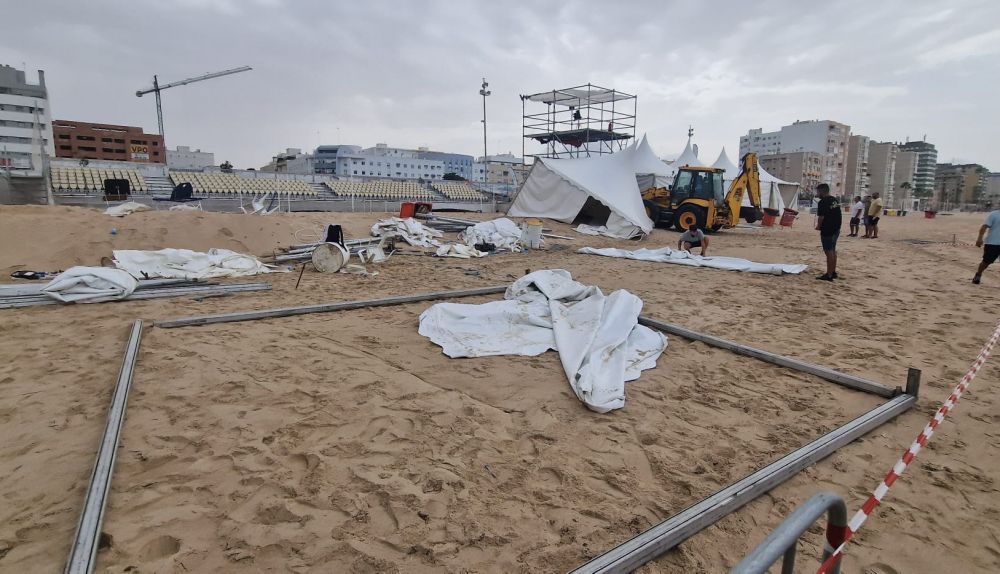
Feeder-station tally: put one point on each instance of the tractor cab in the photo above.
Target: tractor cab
(698, 183)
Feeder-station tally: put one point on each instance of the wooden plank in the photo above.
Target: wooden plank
(326, 307)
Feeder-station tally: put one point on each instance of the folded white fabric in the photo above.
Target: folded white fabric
(501, 232)
(668, 255)
(90, 285)
(126, 208)
(187, 264)
(409, 230)
(600, 343)
(458, 250)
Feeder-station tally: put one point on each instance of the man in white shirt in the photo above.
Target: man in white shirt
(991, 249)
(856, 212)
(692, 238)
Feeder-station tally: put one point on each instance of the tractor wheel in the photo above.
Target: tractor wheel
(652, 211)
(689, 216)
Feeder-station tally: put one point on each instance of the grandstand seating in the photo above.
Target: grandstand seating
(91, 179)
(231, 183)
(459, 191)
(381, 189)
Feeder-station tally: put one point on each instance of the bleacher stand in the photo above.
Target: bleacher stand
(459, 191)
(380, 189)
(234, 184)
(91, 179)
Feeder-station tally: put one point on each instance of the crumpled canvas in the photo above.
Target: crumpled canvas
(126, 208)
(409, 230)
(90, 285)
(501, 232)
(187, 264)
(600, 343)
(668, 255)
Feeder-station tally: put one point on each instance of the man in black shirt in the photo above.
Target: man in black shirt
(828, 220)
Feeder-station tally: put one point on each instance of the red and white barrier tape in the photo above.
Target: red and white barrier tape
(925, 435)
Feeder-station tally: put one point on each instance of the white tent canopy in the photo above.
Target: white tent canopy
(603, 186)
(687, 157)
(770, 194)
(649, 168)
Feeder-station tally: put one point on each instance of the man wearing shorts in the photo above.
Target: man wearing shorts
(828, 222)
(856, 212)
(874, 214)
(991, 248)
(692, 238)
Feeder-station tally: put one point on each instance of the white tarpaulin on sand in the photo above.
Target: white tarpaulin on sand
(409, 230)
(90, 285)
(187, 264)
(123, 209)
(501, 232)
(559, 189)
(600, 343)
(668, 255)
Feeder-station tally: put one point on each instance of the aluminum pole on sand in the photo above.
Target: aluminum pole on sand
(83, 556)
(656, 541)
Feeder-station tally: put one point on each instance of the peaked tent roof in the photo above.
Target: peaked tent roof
(644, 161)
(724, 163)
(687, 157)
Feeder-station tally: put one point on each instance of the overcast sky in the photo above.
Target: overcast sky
(408, 73)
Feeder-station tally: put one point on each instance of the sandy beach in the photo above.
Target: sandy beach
(347, 442)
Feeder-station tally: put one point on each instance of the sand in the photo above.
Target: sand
(347, 442)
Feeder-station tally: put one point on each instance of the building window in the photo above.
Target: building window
(85, 138)
(119, 140)
(65, 147)
(63, 136)
(106, 140)
(107, 150)
(87, 148)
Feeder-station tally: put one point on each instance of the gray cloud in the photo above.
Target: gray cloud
(407, 73)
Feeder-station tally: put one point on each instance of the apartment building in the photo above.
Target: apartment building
(882, 170)
(923, 178)
(25, 123)
(827, 138)
(112, 142)
(857, 179)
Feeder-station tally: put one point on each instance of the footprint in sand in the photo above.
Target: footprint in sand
(160, 547)
(879, 568)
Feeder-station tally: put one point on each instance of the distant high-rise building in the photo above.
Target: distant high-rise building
(902, 182)
(825, 137)
(923, 178)
(962, 183)
(857, 181)
(25, 123)
(882, 170)
(993, 189)
(804, 167)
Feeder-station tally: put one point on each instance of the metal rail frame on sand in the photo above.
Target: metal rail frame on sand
(627, 556)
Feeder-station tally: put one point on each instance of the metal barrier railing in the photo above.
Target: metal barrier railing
(783, 540)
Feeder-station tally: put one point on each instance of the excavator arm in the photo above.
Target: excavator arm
(746, 183)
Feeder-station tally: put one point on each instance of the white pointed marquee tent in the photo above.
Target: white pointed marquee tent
(650, 171)
(599, 191)
(770, 193)
(687, 157)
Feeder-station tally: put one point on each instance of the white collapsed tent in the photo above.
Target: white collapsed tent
(650, 170)
(600, 192)
(770, 195)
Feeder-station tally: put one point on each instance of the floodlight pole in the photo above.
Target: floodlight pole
(486, 162)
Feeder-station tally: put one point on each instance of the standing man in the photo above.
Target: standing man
(991, 250)
(874, 214)
(856, 212)
(693, 237)
(828, 222)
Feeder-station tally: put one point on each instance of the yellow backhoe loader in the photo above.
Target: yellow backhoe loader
(697, 199)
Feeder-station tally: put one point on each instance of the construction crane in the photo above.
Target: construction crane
(157, 88)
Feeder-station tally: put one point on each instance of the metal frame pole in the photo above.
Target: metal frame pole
(83, 556)
(159, 110)
(326, 308)
(666, 535)
(831, 375)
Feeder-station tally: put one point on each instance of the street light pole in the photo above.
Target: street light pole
(484, 92)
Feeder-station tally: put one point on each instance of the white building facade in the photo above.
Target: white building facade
(185, 158)
(25, 123)
(827, 138)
